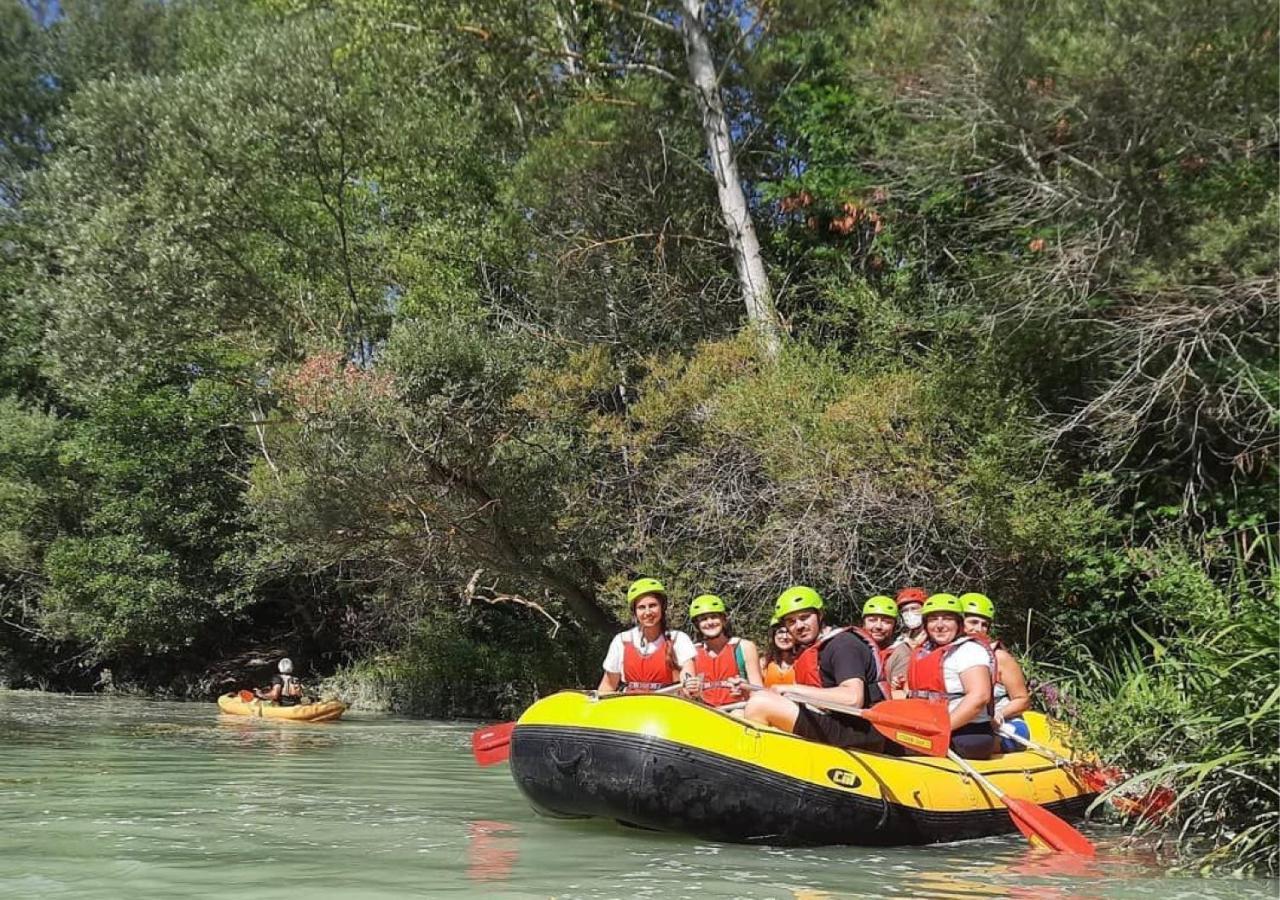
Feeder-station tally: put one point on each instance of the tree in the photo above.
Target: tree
(756, 292)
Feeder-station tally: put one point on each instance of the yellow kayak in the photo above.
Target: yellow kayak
(671, 764)
(324, 711)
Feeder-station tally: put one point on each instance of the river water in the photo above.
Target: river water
(129, 798)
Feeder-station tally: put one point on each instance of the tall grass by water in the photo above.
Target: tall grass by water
(1188, 698)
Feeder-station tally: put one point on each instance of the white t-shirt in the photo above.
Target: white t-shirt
(962, 659)
(613, 659)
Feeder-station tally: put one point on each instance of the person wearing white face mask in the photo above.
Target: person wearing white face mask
(910, 602)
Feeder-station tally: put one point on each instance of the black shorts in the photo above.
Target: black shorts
(839, 731)
(974, 741)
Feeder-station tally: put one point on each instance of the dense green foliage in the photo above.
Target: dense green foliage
(403, 335)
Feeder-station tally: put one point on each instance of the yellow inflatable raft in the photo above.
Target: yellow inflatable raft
(324, 711)
(671, 764)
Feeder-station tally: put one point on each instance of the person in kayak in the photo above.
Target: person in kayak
(723, 662)
(780, 657)
(839, 665)
(650, 655)
(909, 600)
(879, 619)
(285, 690)
(1012, 698)
(953, 668)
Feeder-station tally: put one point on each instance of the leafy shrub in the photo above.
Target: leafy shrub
(472, 663)
(1191, 699)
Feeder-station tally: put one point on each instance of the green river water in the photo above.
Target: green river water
(130, 798)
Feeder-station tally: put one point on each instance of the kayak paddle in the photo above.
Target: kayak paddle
(1041, 827)
(1155, 804)
(492, 744)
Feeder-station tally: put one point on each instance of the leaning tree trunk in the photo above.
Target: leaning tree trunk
(756, 293)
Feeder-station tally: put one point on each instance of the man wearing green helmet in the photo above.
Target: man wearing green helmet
(650, 656)
(1012, 698)
(839, 665)
(879, 618)
(724, 662)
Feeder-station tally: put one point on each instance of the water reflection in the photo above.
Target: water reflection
(258, 736)
(492, 850)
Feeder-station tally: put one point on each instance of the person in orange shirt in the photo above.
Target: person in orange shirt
(779, 656)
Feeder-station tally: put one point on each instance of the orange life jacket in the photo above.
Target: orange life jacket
(925, 677)
(643, 674)
(775, 674)
(808, 672)
(719, 668)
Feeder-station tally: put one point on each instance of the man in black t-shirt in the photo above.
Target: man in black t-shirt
(834, 665)
(845, 664)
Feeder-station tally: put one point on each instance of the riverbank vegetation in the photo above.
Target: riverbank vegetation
(403, 335)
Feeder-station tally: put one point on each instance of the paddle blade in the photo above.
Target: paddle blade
(491, 744)
(247, 696)
(1045, 829)
(921, 726)
(493, 756)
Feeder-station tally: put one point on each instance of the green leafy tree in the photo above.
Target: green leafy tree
(158, 466)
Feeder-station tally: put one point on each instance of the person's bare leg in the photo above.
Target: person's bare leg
(772, 709)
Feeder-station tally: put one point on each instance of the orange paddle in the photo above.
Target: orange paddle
(1041, 827)
(492, 744)
(1156, 803)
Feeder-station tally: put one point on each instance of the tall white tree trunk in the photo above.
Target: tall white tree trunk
(756, 293)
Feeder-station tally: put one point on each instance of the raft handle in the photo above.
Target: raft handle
(567, 766)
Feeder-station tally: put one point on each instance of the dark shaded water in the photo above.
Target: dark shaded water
(107, 797)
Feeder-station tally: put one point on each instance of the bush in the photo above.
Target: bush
(1191, 700)
(475, 662)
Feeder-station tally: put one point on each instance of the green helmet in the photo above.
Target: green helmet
(773, 620)
(642, 586)
(978, 605)
(794, 599)
(948, 603)
(880, 605)
(706, 603)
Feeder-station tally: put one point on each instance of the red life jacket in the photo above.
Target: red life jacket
(925, 678)
(719, 668)
(643, 674)
(808, 672)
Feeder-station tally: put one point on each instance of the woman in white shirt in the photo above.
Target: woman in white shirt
(952, 668)
(1009, 692)
(650, 656)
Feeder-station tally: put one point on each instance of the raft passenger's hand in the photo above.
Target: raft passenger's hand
(691, 686)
